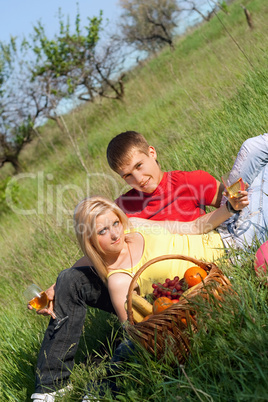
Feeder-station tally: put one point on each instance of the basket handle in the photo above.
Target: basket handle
(146, 265)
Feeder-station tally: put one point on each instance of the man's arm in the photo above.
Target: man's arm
(216, 202)
(201, 225)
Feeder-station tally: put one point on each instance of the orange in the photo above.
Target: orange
(161, 304)
(194, 275)
(147, 317)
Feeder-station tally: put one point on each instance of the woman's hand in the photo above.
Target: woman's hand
(50, 292)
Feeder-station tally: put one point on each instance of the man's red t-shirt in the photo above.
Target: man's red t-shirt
(180, 196)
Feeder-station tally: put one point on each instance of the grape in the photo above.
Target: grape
(171, 288)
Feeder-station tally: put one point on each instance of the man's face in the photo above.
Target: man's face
(142, 172)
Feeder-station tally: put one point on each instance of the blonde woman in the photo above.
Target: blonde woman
(117, 249)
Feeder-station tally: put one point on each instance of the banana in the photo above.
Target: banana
(137, 316)
(189, 290)
(141, 304)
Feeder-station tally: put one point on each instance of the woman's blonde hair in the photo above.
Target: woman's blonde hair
(85, 215)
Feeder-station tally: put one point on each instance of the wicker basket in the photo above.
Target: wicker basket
(173, 326)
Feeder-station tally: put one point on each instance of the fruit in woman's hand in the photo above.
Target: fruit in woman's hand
(161, 304)
(194, 275)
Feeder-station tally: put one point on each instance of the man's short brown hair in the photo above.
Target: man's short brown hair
(120, 148)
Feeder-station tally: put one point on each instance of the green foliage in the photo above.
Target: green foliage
(6, 59)
(8, 190)
(224, 6)
(66, 55)
(24, 131)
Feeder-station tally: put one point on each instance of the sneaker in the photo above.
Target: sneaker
(89, 398)
(43, 397)
(50, 397)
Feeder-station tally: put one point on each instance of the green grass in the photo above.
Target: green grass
(196, 105)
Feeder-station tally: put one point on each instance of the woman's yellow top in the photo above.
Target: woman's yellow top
(157, 242)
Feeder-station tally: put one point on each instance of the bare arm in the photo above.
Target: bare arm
(118, 285)
(216, 202)
(204, 224)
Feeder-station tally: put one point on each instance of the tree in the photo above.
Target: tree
(200, 7)
(71, 65)
(17, 116)
(108, 72)
(61, 64)
(38, 75)
(149, 25)
(13, 138)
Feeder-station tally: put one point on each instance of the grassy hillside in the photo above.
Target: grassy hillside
(196, 105)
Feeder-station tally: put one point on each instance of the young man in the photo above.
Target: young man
(158, 195)
(155, 195)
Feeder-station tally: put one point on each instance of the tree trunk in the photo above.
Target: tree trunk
(248, 17)
(13, 159)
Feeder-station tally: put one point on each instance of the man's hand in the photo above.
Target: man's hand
(240, 201)
(50, 292)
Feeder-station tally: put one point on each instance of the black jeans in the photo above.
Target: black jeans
(76, 288)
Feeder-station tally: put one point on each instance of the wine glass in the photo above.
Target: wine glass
(233, 183)
(38, 299)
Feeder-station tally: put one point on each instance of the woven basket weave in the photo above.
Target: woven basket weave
(171, 327)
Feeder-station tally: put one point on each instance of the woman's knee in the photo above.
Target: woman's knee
(68, 282)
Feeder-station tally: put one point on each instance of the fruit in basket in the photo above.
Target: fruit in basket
(189, 290)
(171, 288)
(147, 317)
(140, 307)
(141, 304)
(161, 304)
(194, 275)
(137, 316)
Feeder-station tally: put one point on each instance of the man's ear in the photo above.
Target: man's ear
(152, 152)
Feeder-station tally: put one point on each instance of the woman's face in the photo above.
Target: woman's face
(110, 233)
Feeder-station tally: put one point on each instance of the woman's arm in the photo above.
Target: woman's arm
(204, 224)
(118, 285)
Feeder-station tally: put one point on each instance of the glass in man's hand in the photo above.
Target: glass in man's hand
(233, 184)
